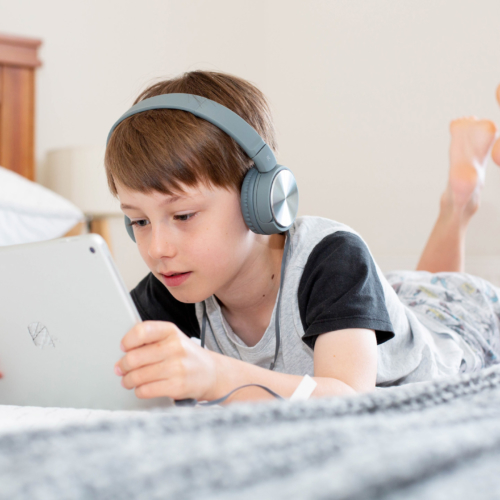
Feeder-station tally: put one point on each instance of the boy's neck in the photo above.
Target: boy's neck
(248, 303)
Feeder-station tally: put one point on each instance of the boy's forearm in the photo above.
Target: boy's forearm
(233, 373)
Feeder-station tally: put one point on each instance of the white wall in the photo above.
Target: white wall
(363, 92)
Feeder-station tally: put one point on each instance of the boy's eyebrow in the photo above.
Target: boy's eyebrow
(167, 201)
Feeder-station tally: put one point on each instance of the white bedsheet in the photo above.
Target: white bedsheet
(22, 418)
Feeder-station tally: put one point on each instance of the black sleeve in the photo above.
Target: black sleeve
(155, 302)
(340, 289)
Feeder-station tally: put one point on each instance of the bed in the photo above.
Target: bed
(438, 439)
(434, 440)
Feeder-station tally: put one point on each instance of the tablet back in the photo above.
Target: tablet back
(63, 312)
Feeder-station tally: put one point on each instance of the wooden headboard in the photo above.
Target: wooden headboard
(18, 61)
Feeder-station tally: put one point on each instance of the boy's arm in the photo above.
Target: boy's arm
(160, 360)
(345, 363)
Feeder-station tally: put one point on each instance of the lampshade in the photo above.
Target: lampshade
(78, 174)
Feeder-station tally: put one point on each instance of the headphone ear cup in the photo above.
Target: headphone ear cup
(247, 200)
(130, 229)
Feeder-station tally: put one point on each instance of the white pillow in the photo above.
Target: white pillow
(30, 212)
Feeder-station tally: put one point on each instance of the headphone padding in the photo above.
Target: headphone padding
(247, 200)
(130, 229)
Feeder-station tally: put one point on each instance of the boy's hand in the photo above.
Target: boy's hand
(163, 361)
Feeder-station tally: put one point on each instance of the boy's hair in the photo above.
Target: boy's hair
(162, 149)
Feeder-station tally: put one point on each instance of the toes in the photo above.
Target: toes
(472, 124)
(457, 124)
(463, 121)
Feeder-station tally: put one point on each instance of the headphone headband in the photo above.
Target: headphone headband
(269, 195)
(225, 119)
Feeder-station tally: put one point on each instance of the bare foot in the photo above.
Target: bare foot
(495, 153)
(471, 142)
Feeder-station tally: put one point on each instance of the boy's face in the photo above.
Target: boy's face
(201, 232)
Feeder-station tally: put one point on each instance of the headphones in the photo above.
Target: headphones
(269, 194)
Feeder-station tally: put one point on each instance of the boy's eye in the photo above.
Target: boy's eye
(145, 222)
(184, 217)
(139, 223)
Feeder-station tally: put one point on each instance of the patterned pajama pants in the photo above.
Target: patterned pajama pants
(468, 305)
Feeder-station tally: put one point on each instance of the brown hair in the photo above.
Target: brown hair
(162, 149)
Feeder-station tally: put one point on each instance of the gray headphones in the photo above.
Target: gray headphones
(269, 194)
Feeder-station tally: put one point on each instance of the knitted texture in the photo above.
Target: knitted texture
(437, 440)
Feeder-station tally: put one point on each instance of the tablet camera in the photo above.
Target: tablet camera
(92, 249)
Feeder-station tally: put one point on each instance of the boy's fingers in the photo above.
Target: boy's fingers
(147, 332)
(498, 94)
(159, 388)
(148, 374)
(143, 356)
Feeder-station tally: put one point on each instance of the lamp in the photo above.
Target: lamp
(78, 174)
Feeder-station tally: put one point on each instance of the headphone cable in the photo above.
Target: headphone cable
(193, 402)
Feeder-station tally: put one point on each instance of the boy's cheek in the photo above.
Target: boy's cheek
(145, 257)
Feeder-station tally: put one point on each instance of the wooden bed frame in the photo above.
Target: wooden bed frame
(18, 63)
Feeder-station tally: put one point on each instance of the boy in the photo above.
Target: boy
(178, 178)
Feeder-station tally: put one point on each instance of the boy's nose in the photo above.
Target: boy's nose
(161, 245)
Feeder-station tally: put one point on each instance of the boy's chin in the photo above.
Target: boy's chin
(186, 298)
(184, 293)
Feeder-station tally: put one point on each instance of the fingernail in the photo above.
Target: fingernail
(118, 371)
(122, 347)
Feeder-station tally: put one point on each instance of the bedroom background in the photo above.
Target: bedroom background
(362, 92)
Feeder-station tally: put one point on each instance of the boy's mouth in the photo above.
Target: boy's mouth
(168, 275)
(175, 279)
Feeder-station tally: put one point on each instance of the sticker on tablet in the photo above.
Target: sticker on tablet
(40, 335)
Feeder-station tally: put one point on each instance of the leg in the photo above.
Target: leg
(471, 141)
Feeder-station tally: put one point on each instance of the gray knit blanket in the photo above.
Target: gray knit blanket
(436, 440)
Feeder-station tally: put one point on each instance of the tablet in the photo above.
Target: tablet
(63, 311)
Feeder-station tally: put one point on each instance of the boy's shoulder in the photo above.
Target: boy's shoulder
(310, 226)
(310, 233)
(335, 279)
